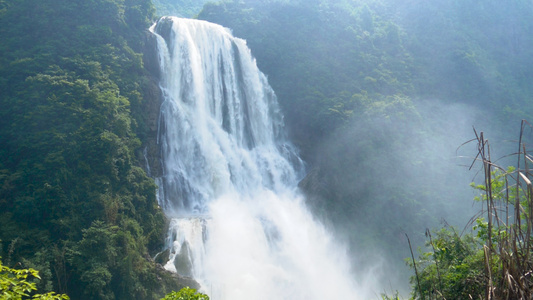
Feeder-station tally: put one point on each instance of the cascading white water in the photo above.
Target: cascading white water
(238, 224)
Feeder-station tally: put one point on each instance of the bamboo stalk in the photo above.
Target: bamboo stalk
(488, 290)
(414, 264)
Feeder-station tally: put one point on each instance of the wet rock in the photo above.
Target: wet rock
(162, 257)
(151, 154)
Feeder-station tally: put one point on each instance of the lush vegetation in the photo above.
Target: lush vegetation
(330, 61)
(74, 203)
(179, 8)
(494, 261)
(186, 293)
(18, 283)
(324, 62)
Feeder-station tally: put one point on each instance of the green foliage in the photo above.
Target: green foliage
(317, 56)
(396, 296)
(455, 266)
(454, 269)
(19, 284)
(74, 203)
(186, 293)
(494, 264)
(180, 8)
(476, 48)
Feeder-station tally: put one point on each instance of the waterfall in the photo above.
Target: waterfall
(229, 185)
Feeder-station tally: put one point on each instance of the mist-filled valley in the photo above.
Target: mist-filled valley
(300, 150)
(380, 97)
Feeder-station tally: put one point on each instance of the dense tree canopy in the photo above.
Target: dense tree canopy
(179, 8)
(318, 56)
(74, 204)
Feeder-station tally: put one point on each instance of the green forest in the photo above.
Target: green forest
(75, 203)
(379, 96)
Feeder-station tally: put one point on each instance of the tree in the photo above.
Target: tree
(70, 135)
(186, 293)
(17, 283)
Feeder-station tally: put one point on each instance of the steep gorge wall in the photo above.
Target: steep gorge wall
(151, 153)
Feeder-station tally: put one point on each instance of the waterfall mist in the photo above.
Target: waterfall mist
(238, 225)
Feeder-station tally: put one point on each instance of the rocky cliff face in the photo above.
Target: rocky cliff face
(317, 190)
(152, 102)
